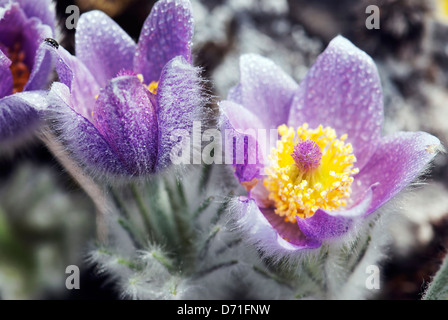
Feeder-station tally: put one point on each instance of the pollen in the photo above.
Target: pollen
(19, 70)
(310, 169)
(152, 87)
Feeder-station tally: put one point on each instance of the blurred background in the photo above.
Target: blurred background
(47, 222)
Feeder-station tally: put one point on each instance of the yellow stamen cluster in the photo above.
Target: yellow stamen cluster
(152, 87)
(297, 191)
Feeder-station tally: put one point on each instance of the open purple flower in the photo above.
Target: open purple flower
(118, 102)
(329, 167)
(24, 24)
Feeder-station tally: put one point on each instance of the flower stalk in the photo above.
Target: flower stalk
(92, 189)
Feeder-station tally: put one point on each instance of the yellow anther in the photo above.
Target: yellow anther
(140, 77)
(153, 87)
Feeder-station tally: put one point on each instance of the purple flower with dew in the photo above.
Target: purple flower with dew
(118, 103)
(24, 70)
(329, 167)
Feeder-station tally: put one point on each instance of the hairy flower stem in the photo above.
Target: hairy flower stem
(214, 268)
(182, 233)
(438, 288)
(271, 276)
(206, 245)
(126, 220)
(143, 209)
(164, 261)
(85, 182)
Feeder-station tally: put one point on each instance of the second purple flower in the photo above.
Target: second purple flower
(118, 102)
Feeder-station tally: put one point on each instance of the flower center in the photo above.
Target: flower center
(19, 70)
(310, 169)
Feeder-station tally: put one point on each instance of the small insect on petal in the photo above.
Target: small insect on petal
(52, 42)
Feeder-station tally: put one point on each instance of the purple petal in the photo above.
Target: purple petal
(179, 100)
(5, 76)
(399, 159)
(261, 195)
(239, 117)
(264, 89)
(41, 71)
(19, 114)
(103, 46)
(324, 225)
(287, 230)
(12, 21)
(241, 127)
(33, 35)
(166, 33)
(268, 232)
(42, 10)
(126, 117)
(74, 74)
(80, 136)
(342, 90)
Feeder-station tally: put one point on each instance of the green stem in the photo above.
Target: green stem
(218, 266)
(129, 264)
(229, 245)
(204, 205)
(182, 232)
(438, 288)
(180, 190)
(271, 276)
(119, 202)
(222, 208)
(164, 261)
(120, 260)
(206, 245)
(205, 177)
(137, 238)
(360, 255)
(126, 221)
(144, 211)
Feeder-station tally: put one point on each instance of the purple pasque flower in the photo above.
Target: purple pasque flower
(329, 167)
(24, 70)
(118, 102)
